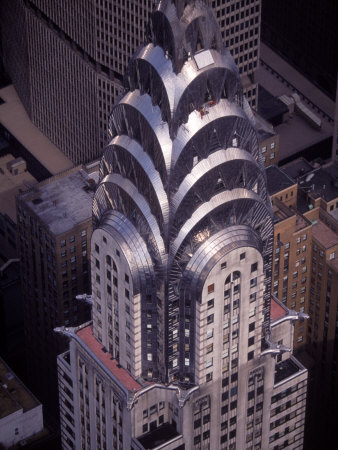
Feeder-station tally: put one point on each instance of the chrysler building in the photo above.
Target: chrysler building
(188, 348)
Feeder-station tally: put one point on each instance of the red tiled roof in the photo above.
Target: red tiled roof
(276, 310)
(86, 335)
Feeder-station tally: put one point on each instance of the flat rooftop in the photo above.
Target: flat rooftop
(15, 119)
(10, 185)
(158, 437)
(294, 77)
(324, 235)
(14, 395)
(86, 335)
(285, 369)
(277, 180)
(321, 181)
(63, 201)
(270, 107)
(279, 78)
(297, 168)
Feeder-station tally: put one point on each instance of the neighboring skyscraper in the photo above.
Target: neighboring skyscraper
(188, 348)
(292, 248)
(305, 204)
(66, 60)
(313, 53)
(54, 229)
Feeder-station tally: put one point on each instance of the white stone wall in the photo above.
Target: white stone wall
(20, 425)
(116, 310)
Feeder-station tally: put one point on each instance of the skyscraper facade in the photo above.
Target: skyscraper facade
(54, 229)
(67, 59)
(314, 54)
(188, 348)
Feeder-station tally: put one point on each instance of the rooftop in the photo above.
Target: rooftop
(277, 310)
(270, 107)
(13, 393)
(15, 119)
(285, 369)
(63, 201)
(10, 185)
(277, 180)
(320, 181)
(264, 129)
(86, 335)
(324, 235)
(297, 168)
(295, 135)
(159, 436)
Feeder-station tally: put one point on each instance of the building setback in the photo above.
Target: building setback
(54, 229)
(188, 347)
(67, 59)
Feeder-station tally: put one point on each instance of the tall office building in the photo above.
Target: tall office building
(66, 60)
(54, 229)
(313, 54)
(188, 348)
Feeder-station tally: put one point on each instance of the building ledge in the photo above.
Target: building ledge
(95, 347)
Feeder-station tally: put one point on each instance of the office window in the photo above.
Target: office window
(253, 296)
(210, 303)
(210, 318)
(253, 282)
(210, 348)
(208, 377)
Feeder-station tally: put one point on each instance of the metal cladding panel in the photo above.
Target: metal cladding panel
(151, 113)
(155, 57)
(214, 161)
(133, 246)
(227, 118)
(125, 185)
(123, 151)
(217, 246)
(182, 178)
(219, 200)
